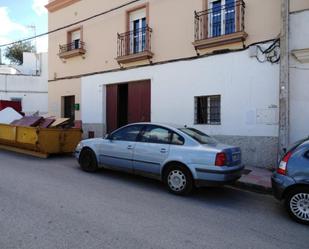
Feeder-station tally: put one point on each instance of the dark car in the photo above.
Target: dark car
(291, 181)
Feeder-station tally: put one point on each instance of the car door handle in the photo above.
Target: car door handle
(163, 150)
(130, 147)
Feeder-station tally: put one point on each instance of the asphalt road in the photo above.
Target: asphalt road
(53, 204)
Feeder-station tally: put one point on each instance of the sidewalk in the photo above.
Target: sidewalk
(255, 179)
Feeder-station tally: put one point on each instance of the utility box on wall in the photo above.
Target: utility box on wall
(77, 107)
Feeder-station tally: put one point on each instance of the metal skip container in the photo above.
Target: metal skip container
(37, 141)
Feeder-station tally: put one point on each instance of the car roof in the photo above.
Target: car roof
(298, 144)
(305, 142)
(167, 125)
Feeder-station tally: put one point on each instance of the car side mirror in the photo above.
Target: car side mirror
(109, 137)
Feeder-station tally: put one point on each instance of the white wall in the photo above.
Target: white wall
(31, 64)
(249, 93)
(5, 69)
(31, 89)
(299, 77)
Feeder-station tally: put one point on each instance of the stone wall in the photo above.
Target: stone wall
(256, 150)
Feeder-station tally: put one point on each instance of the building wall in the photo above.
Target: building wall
(31, 89)
(173, 31)
(298, 5)
(299, 77)
(59, 89)
(249, 99)
(5, 69)
(32, 63)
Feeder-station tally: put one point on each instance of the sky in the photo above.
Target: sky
(17, 15)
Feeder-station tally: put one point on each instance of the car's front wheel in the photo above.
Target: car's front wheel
(178, 180)
(88, 161)
(297, 203)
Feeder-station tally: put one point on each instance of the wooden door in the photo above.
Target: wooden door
(139, 101)
(111, 108)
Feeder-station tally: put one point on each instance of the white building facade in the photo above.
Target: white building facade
(28, 83)
(211, 64)
(299, 75)
(248, 91)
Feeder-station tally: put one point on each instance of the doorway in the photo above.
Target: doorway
(69, 107)
(122, 109)
(127, 103)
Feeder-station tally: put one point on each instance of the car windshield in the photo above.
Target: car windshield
(199, 136)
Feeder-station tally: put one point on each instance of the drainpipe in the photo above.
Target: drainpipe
(284, 79)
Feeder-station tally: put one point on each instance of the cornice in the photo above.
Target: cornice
(59, 4)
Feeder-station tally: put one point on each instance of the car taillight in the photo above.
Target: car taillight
(284, 163)
(220, 159)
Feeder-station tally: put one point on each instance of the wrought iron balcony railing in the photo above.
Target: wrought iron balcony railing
(220, 20)
(75, 45)
(134, 42)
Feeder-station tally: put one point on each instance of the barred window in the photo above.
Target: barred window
(208, 110)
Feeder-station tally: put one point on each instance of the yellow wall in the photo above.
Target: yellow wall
(58, 89)
(172, 22)
(297, 5)
(173, 31)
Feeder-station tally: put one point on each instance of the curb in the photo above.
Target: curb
(253, 187)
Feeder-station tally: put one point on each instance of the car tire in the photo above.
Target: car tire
(297, 204)
(178, 180)
(88, 161)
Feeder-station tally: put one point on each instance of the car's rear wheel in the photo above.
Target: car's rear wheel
(88, 161)
(178, 180)
(297, 203)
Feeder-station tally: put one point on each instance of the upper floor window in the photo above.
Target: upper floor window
(74, 39)
(222, 22)
(222, 16)
(74, 46)
(135, 44)
(138, 25)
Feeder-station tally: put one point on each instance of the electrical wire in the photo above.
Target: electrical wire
(72, 24)
(275, 48)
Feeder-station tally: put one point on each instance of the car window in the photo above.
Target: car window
(128, 133)
(177, 139)
(199, 136)
(156, 134)
(296, 144)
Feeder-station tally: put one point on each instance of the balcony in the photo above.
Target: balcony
(220, 25)
(134, 46)
(72, 49)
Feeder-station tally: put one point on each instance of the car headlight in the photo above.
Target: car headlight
(79, 147)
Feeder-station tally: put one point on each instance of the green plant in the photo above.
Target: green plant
(14, 53)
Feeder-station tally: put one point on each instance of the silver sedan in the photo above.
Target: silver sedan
(181, 157)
